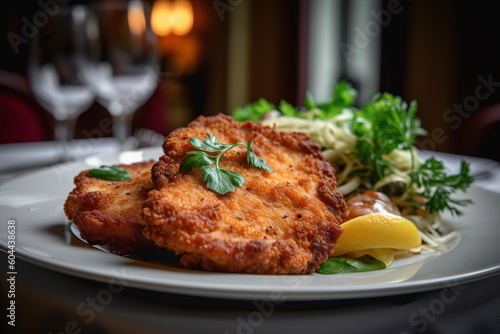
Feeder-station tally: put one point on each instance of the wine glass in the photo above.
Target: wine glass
(55, 66)
(124, 64)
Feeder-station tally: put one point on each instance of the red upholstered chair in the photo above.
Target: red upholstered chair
(21, 118)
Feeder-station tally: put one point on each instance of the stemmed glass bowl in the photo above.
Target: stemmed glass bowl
(56, 70)
(123, 69)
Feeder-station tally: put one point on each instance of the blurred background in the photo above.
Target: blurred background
(220, 54)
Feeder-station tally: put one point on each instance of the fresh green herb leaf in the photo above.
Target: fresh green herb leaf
(253, 111)
(210, 144)
(438, 187)
(344, 96)
(372, 152)
(429, 171)
(288, 110)
(221, 180)
(254, 160)
(195, 159)
(218, 179)
(384, 124)
(392, 117)
(342, 265)
(110, 173)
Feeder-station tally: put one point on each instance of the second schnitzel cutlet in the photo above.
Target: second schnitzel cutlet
(281, 222)
(109, 212)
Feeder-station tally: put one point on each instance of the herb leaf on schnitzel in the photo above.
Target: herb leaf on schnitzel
(196, 159)
(110, 173)
(210, 144)
(254, 160)
(221, 180)
(218, 179)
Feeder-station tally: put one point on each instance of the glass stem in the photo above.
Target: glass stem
(122, 129)
(64, 131)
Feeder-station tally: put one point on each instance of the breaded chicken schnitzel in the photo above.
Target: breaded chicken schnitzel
(109, 212)
(281, 222)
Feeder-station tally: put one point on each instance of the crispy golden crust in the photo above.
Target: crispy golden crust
(285, 222)
(109, 212)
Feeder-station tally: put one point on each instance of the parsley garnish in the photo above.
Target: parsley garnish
(110, 173)
(438, 187)
(344, 96)
(253, 111)
(384, 124)
(218, 179)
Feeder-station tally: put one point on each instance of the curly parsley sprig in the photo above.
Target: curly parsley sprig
(344, 96)
(218, 179)
(384, 124)
(438, 187)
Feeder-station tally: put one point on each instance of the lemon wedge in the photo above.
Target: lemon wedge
(385, 255)
(377, 230)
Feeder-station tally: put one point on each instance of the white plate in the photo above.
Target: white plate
(35, 202)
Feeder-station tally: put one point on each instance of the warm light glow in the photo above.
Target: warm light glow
(182, 11)
(136, 18)
(160, 18)
(172, 17)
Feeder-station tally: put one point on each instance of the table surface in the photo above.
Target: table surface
(52, 302)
